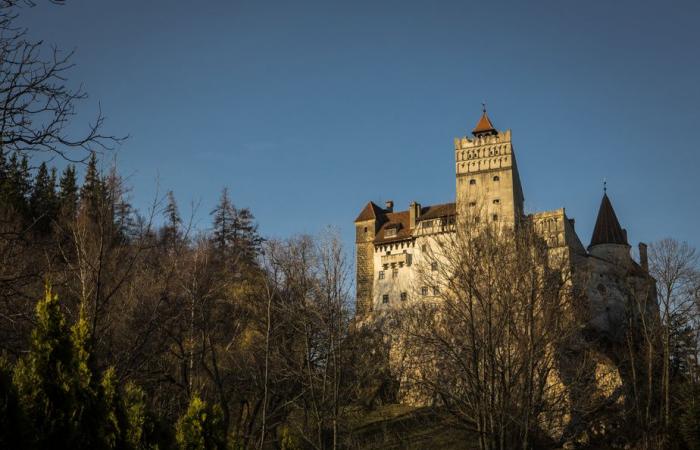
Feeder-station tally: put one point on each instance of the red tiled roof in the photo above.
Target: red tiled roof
(401, 219)
(607, 228)
(436, 211)
(484, 125)
(371, 211)
(394, 219)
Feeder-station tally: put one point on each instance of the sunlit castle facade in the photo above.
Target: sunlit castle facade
(391, 245)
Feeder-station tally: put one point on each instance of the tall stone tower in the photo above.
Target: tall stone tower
(366, 226)
(488, 184)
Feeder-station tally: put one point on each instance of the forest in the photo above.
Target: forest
(128, 329)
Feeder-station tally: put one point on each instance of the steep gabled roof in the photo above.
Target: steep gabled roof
(370, 212)
(607, 228)
(484, 126)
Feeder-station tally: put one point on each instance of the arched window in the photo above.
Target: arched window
(472, 181)
(496, 178)
(495, 217)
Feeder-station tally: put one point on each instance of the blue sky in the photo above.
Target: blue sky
(308, 109)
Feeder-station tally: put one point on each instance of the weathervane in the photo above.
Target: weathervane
(483, 107)
(605, 186)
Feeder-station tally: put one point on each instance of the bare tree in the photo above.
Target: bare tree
(484, 343)
(676, 268)
(37, 103)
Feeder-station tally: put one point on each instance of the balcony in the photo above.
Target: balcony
(396, 259)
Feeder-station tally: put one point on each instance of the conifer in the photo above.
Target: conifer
(42, 202)
(92, 191)
(201, 427)
(68, 192)
(45, 378)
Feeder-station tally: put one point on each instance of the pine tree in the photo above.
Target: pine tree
(45, 378)
(201, 427)
(65, 404)
(171, 229)
(42, 201)
(248, 240)
(235, 235)
(16, 185)
(224, 223)
(68, 192)
(92, 191)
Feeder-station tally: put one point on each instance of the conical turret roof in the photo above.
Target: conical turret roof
(607, 228)
(484, 126)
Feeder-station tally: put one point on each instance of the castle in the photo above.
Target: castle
(390, 244)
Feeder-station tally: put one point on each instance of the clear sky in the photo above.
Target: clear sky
(308, 109)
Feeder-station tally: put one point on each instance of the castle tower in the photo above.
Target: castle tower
(609, 240)
(488, 184)
(366, 226)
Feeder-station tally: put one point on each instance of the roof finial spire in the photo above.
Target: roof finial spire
(605, 186)
(484, 127)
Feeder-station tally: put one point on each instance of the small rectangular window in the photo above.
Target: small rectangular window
(436, 290)
(385, 298)
(394, 273)
(472, 204)
(381, 274)
(495, 217)
(496, 201)
(424, 290)
(404, 296)
(472, 181)
(433, 266)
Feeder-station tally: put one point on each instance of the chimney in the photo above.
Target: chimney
(389, 206)
(413, 214)
(643, 258)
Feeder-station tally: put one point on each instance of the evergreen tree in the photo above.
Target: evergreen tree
(42, 202)
(45, 378)
(201, 427)
(117, 208)
(92, 191)
(68, 192)
(66, 407)
(171, 229)
(235, 235)
(16, 186)
(247, 239)
(224, 215)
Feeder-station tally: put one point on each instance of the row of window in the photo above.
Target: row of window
(404, 295)
(395, 271)
(496, 201)
(495, 178)
(493, 217)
